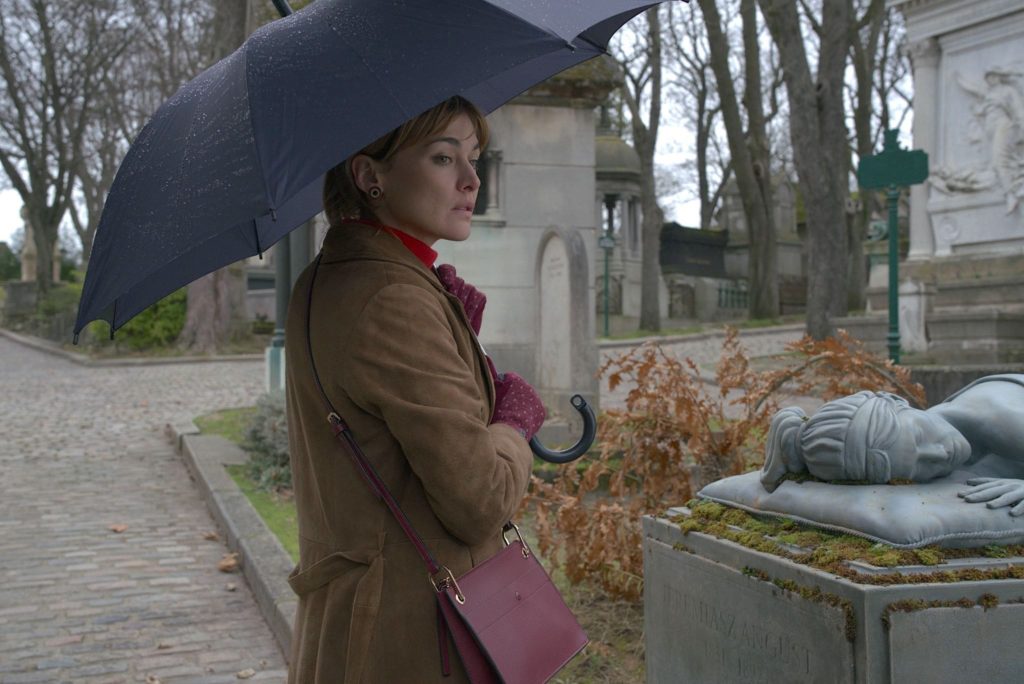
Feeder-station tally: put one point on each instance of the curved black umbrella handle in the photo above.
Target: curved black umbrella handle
(283, 8)
(578, 449)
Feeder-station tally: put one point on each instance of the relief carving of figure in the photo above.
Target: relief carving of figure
(998, 123)
(877, 437)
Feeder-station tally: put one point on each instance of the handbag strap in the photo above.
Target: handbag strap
(344, 434)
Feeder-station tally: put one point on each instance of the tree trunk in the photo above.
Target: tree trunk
(214, 313)
(645, 138)
(820, 152)
(749, 150)
(764, 271)
(44, 237)
(865, 57)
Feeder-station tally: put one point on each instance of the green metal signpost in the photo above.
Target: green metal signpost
(891, 169)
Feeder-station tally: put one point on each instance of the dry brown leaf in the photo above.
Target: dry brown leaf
(246, 673)
(152, 679)
(211, 536)
(231, 586)
(118, 528)
(229, 563)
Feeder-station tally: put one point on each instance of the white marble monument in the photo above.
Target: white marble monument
(968, 60)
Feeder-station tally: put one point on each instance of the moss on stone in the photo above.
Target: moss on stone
(832, 552)
(927, 556)
(813, 594)
(986, 601)
(803, 538)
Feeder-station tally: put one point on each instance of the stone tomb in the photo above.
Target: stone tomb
(714, 613)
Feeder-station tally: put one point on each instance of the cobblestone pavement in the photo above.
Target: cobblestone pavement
(82, 449)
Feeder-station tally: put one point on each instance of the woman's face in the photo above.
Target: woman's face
(430, 188)
(926, 447)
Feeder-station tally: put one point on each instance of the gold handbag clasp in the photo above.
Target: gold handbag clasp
(444, 580)
(512, 526)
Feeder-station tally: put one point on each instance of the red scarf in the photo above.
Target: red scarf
(421, 250)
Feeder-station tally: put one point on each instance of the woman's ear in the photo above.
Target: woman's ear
(365, 172)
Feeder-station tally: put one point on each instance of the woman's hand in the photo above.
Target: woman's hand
(517, 404)
(473, 300)
(997, 492)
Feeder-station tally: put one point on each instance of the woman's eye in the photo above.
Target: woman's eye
(443, 159)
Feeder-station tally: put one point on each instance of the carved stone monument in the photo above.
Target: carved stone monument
(883, 477)
(967, 222)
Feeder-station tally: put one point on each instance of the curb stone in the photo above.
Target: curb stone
(263, 561)
(55, 349)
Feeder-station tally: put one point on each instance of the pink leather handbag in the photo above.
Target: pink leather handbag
(506, 618)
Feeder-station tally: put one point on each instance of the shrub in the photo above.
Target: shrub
(10, 264)
(266, 440)
(676, 427)
(157, 326)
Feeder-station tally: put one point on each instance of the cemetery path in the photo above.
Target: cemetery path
(705, 350)
(82, 449)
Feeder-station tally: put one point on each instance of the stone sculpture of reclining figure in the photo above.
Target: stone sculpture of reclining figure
(877, 438)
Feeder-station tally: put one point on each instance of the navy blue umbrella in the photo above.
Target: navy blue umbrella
(236, 158)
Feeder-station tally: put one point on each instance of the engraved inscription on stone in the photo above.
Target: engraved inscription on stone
(706, 622)
(946, 645)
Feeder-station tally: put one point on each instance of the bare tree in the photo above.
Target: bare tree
(169, 45)
(689, 61)
(878, 69)
(751, 154)
(53, 58)
(820, 153)
(641, 62)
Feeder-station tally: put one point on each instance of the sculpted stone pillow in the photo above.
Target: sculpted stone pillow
(905, 516)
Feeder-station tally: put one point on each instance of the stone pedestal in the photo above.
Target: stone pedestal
(915, 303)
(21, 299)
(715, 611)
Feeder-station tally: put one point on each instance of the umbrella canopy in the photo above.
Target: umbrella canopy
(236, 158)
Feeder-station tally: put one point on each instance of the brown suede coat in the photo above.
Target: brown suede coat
(398, 360)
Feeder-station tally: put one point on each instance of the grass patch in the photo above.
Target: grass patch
(277, 510)
(228, 423)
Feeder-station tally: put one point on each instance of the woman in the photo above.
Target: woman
(398, 357)
(876, 437)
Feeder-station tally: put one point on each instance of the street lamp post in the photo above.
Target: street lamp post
(607, 243)
(890, 169)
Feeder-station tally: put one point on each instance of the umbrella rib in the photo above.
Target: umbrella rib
(256, 232)
(256, 147)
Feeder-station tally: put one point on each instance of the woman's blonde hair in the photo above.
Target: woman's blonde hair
(344, 200)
